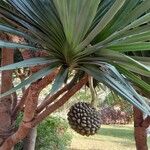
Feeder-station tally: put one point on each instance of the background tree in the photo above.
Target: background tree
(7, 102)
(81, 39)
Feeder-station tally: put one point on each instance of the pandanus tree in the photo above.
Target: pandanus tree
(82, 39)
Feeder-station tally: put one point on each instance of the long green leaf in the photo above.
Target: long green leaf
(60, 79)
(101, 25)
(134, 78)
(141, 37)
(5, 44)
(140, 21)
(76, 17)
(136, 70)
(29, 63)
(5, 28)
(119, 21)
(116, 56)
(137, 46)
(134, 31)
(141, 58)
(111, 57)
(103, 7)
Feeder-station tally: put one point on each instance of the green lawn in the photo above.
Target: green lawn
(110, 137)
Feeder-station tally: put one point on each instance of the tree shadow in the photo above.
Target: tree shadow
(120, 133)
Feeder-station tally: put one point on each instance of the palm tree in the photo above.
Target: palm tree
(82, 37)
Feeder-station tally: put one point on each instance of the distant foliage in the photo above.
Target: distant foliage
(53, 135)
(110, 115)
(17, 56)
(114, 110)
(113, 99)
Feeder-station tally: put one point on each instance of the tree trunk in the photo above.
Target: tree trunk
(5, 103)
(141, 124)
(139, 130)
(30, 140)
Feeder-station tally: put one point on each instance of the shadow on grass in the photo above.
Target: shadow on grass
(120, 133)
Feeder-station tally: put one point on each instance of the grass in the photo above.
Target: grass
(109, 137)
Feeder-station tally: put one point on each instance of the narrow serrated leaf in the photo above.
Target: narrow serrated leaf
(5, 44)
(29, 63)
(60, 79)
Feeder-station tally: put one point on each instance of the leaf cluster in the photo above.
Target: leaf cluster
(90, 36)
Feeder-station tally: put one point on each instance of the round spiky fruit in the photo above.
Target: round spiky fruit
(84, 118)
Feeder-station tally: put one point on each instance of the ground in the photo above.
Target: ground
(110, 137)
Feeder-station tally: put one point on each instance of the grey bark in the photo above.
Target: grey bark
(30, 140)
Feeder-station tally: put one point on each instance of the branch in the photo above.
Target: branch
(47, 79)
(29, 111)
(41, 84)
(48, 100)
(20, 104)
(60, 102)
(146, 122)
(14, 102)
